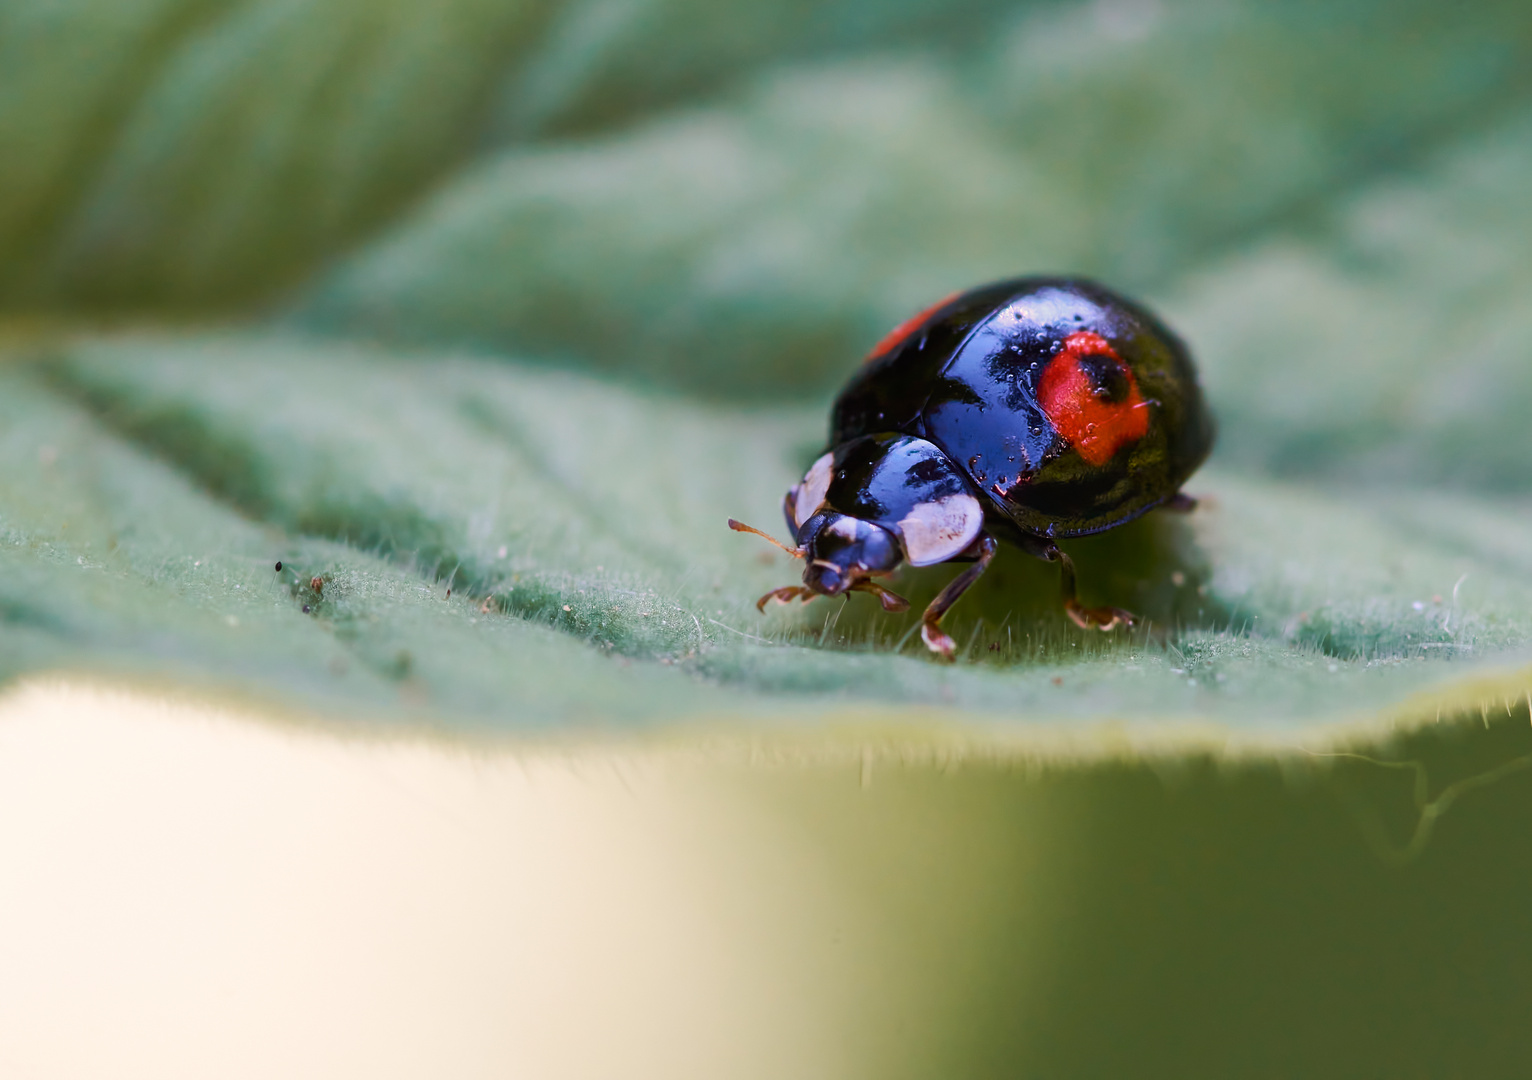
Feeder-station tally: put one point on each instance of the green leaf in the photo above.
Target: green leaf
(1366, 359)
(179, 154)
(753, 244)
(1323, 214)
(583, 514)
(397, 365)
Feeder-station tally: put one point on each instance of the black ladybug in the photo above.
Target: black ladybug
(1029, 410)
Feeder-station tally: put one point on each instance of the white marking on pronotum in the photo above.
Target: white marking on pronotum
(843, 527)
(809, 496)
(934, 532)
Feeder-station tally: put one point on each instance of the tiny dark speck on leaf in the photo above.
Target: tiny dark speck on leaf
(306, 609)
(279, 567)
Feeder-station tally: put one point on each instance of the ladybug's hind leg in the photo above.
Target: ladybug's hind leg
(1102, 618)
(930, 632)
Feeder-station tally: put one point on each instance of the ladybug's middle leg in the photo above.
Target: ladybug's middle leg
(1102, 618)
(931, 633)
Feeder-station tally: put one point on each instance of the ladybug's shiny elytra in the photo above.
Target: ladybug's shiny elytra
(1028, 410)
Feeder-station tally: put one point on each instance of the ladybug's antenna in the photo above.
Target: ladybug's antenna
(740, 526)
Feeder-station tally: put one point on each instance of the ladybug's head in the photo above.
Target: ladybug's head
(842, 551)
(842, 554)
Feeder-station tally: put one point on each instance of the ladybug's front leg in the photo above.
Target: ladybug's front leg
(785, 595)
(936, 640)
(1103, 618)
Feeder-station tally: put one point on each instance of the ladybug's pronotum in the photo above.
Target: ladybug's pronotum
(1029, 410)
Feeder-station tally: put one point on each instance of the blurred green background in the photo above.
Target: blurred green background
(482, 317)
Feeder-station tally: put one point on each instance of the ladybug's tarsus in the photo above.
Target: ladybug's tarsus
(937, 641)
(1180, 503)
(1101, 618)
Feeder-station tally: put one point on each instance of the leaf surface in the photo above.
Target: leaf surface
(549, 316)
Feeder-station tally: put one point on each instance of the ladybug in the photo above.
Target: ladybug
(1029, 410)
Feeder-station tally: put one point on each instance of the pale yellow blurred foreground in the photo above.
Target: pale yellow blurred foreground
(192, 893)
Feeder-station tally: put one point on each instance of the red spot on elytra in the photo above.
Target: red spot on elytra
(901, 333)
(1096, 416)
